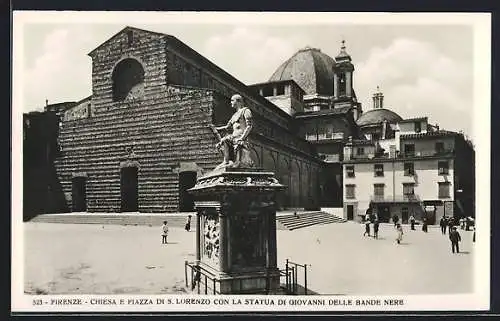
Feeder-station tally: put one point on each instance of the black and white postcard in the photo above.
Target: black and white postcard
(232, 161)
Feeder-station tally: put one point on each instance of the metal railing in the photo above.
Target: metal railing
(408, 198)
(402, 154)
(206, 282)
(291, 273)
(200, 277)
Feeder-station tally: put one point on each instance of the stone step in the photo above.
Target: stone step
(139, 219)
(312, 219)
(287, 222)
(302, 216)
(302, 223)
(307, 224)
(293, 222)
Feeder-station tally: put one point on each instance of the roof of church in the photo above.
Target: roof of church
(376, 116)
(311, 69)
(407, 120)
(438, 133)
(325, 112)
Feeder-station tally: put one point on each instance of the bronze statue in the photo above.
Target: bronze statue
(235, 145)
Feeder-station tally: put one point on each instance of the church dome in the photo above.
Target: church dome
(311, 69)
(376, 116)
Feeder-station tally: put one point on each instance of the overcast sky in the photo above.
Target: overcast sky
(423, 70)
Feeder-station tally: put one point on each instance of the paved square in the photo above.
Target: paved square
(114, 259)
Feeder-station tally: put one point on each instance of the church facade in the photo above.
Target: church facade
(143, 136)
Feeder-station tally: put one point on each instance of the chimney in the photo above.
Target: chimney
(378, 99)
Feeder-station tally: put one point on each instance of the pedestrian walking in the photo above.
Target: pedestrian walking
(399, 229)
(443, 223)
(450, 225)
(412, 222)
(395, 219)
(375, 228)
(462, 223)
(165, 233)
(367, 225)
(424, 224)
(454, 238)
(469, 221)
(187, 227)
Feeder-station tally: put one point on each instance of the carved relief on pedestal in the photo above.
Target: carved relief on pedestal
(211, 239)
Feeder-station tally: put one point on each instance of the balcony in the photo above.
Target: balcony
(426, 153)
(409, 198)
(400, 155)
(330, 158)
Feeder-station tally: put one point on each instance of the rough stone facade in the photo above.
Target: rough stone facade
(153, 99)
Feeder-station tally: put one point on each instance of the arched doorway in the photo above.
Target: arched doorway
(79, 194)
(187, 180)
(129, 189)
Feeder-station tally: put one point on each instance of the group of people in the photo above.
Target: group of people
(164, 229)
(466, 223)
(445, 222)
(453, 233)
(371, 219)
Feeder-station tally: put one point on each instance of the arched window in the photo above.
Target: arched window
(128, 80)
(342, 85)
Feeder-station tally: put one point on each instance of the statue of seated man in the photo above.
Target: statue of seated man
(235, 145)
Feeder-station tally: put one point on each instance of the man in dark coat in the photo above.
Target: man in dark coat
(443, 224)
(375, 228)
(412, 222)
(395, 219)
(450, 225)
(454, 238)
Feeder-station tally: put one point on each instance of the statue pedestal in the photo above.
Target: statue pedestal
(236, 229)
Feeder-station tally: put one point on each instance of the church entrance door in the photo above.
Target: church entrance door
(187, 180)
(129, 189)
(78, 194)
(350, 212)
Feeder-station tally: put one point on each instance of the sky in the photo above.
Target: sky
(422, 69)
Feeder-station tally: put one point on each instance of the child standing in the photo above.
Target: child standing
(165, 233)
(187, 227)
(399, 230)
(367, 225)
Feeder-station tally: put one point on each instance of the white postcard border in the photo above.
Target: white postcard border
(479, 300)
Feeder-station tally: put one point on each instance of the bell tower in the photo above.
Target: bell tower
(343, 75)
(343, 89)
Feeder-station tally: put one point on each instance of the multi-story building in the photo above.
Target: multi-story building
(407, 167)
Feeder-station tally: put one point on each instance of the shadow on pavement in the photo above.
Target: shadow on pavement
(301, 291)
